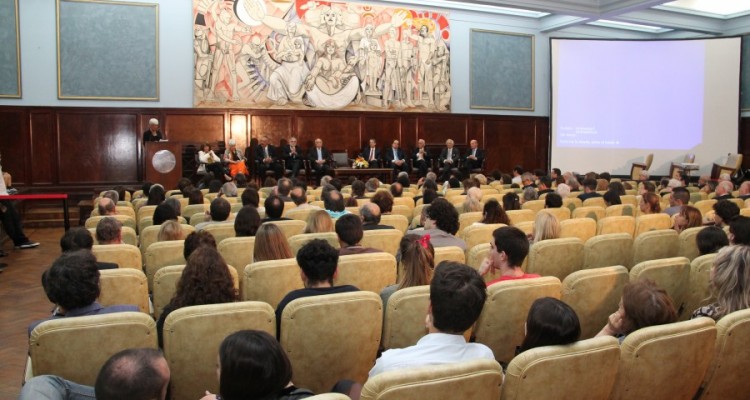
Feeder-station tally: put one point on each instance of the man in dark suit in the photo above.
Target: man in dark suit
(292, 156)
(265, 159)
(448, 159)
(474, 158)
(319, 158)
(394, 157)
(371, 154)
(421, 159)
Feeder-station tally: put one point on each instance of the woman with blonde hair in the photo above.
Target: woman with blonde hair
(473, 203)
(319, 221)
(270, 244)
(170, 230)
(546, 227)
(730, 283)
(417, 264)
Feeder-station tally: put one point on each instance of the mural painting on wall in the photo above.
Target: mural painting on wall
(318, 54)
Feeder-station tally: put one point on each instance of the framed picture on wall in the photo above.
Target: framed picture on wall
(107, 50)
(10, 50)
(501, 70)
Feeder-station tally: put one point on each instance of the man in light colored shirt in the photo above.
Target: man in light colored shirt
(299, 197)
(219, 211)
(457, 295)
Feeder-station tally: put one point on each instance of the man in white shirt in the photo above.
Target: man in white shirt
(457, 295)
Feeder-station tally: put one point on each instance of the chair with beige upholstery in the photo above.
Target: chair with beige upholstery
(687, 245)
(665, 361)
(479, 234)
(386, 240)
(467, 219)
(124, 255)
(732, 165)
(705, 206)
(556, 257)
(651, 222)
(403, 323)
(594, 294)
(501, 325)
(518, 216)
(476, 255)
(300, 214)
(193, 209)
(655, 245)
(192, 363)
(76, 348)
(319, 331)
(237, 251)
(534, 205)
(290, 227)
(123, 208)
(270, 281)
(449, 253)
(404, 201)
(198, 218)
(399, 222)
(126, 220)
(297, 241)
(526, 227)
(699, 291)
(477, 380)
(545, 372)
(221, 231)
(150, 234)
(400, 210)
(616, 224)
(608, 250)
(165, 285)
(329, 396)
(145, 222)
(562, 213)
(571, 203)
(670, 274)
(128, 235)
(145, 211)
(722, 380)
(163, 254)
(595, 202)
(619, 210)
(371, 271)
(581, 228)
(594, 212)
(123, 286)
(637, 167)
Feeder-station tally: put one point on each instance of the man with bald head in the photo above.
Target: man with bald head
(421, 159)
(266, 158)
(320, 159)
(744, 190)
(474, 158)
(370, 214)
(448, 159)
(106, 207)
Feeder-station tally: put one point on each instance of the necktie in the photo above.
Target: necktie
(265, 149)
(372, 153)
(450, 151)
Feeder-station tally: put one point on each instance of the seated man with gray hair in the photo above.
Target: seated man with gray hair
(370, 214)
(724, 190)
(109, 231)
(106, 206)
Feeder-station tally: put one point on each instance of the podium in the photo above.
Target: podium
(163, 163)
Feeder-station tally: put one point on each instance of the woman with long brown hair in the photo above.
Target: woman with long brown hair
(417, 263)
(270, 244)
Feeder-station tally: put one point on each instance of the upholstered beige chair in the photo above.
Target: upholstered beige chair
(467, 219)
(417, 210)
(237, 251)
(571, 203)
(479, 234)
(404, 201)
(387, 240)
(76, 348)
(534, 205)
(128, 235)
(475, 257)
(145, 211)
(699, 292)
(124, 255)
(687, 245)
(163, 254)
(608, 250)
(192, 336)
(595, 202)
(270, 281)
(723, 379)
(198, 218)
(291, 227)
(320, 331)
(671, 274)
(403, 324)
(620, 210)
(371, 271)
(526, 227)
(145, 222)
(221, 231)
(150, 234)
(594, 212)
(556, 257)
(477, 380)
(400, 210)
(126, 220)
(193, 209)
(397, 221)
(637, 167)
(300, 214)
(329, 396)
(449, 253)
(581, 228)
(582, 370)
(655, 245)
(621, 224)
(562, 213)
(123, 208)
(594, 294)
(518, 216)
(733, 163)
(705, 206)
(124, 286)
(165, 285)
(665, 361)
(297, 241)
(651, 222)
(501, 324)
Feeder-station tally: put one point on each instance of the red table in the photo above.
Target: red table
(54, 196)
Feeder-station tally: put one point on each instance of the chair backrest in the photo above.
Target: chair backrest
(467, 219)
(404, 201)
(619, 210)
(237, 251)
(150, 235)
(477, 380)
(124, 255)
(290, 227)
(145, 211)
(595, 202)
(124, 286)
(608, 250)
(594, 212)
(705, 206)
(163, 254)
(671, 274)
(198, 218)
(126, 220)
(501, 324)
(128, 235)
(476, 255)
(270, 281)
(221, 231)
(387, 240)
(400, 210)
(699, 291)
(192, 336)
(318, 331)
(556, 257)
(479, 234)
(371, 271)
(665, 361)
(449, 253)
(571, 203)
(594, 294)
(616, 224)
(593, 361)
(731, 354)
(654, 245)
(301, 214)
(86, 343)
(297, 241)
(581, 228)
(397, 221)
(165, 285)
(688, 246)
(651, 222)
(192, 209)
(517, 216)
(403, 323)
(649, 160)
(562, 213)
(533, 205)
(340, 159)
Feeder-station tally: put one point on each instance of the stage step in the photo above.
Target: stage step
(48, 216)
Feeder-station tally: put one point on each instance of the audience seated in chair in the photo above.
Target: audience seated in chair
(724, 190)
(79, 238)
(170, 230)
(687, 217)
(724, 212)
(384, 200)
(417, 264)
(349, 231)
(546, 227)
(106, 206)
(164, 212)
(319, 221)
(220, 211)
(299, 197)
(441, 224)
(72, 285)
(109, 231)
(493, 213)
(553, 200)
(370, 214)
(333, 202)
(274, 209)
(710, 240)
(247, 222)
(271, 244)
(550, 322)
(650, 203)
(680, 197)
(730, 283)
(739, 230)
(508, 248)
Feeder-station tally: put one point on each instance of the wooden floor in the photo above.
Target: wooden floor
(22, 301)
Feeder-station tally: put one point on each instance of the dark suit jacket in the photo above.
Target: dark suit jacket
(367, 227)
(455, 156)
(312, 154)
(287, 153)
(260, 155)
(480, 155)
(389, 155)
(426, 155)
(366, 153)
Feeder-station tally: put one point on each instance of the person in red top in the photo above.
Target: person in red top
(508, 248)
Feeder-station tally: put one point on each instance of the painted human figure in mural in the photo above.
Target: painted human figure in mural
(426, 50)
(391, 80)
(332, 82)
(224, 30)
(406, 63)
(287, 80)
(441, 76)
(202, 59)
(370, 62)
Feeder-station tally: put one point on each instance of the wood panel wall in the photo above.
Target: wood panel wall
(79, 149)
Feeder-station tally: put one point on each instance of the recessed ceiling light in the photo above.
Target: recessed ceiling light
(627, 25)
(466, 6)
(724, 9)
